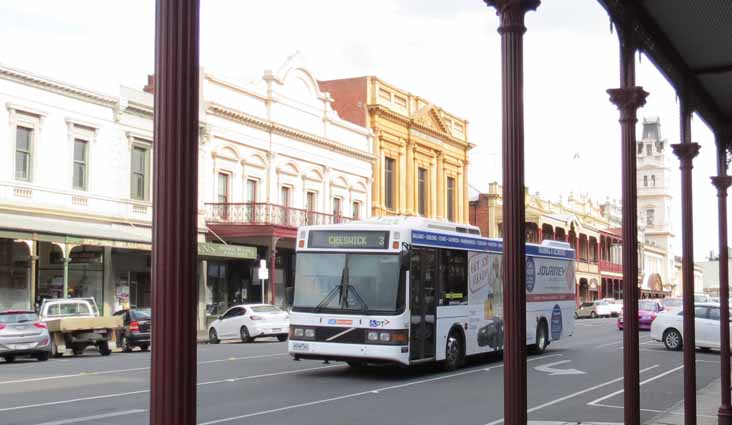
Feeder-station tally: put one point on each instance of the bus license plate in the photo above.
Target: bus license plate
(300, 346)
(274, 330)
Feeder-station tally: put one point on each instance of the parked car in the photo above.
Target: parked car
(668, 327)
(136, 329)
(249, 321)
(672, 304)
(616, 306)
(23, 334)
(74, 325)
(647, 312)
(593, 309)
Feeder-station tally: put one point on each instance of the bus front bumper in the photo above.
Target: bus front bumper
(348, 352)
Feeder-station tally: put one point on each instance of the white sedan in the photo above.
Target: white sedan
(249, 321)
(669, 328)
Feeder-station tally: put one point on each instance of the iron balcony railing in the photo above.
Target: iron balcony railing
(607, 266)
(254, 213)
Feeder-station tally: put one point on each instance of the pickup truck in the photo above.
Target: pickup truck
(74, 324)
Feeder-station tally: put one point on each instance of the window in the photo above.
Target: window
(645, 181)
(310, 201)
(337, 207)
(451, 198)
(251, 195)
(23, 153)
(140, 173)
(454, 271)
(700, 312)
(222, 188)
(650, 217)
(714, 314)
(389, 183)
(285, 196)
(80, 164)
(422, 191)
(649, 149)
(653, 181)
(356, 210)
(640, 148)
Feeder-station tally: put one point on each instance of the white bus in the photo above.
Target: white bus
(408, 290)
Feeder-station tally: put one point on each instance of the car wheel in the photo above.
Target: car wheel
(104, 348)
(213, 337)
(41, 357)
(454, 353)
(672, 340)
(125, 343)
(78, 350)
(9, 359)
(282, 338)
(244, 335)
(542, 339)
(144, 347)
(593, 315)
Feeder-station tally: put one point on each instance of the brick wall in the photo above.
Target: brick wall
(478, 212)
(349, 98)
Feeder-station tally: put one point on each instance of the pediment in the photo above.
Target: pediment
(430, 117)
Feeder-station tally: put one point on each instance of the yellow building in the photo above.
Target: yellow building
(421, 150)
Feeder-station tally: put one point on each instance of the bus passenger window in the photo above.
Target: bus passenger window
(454, 277)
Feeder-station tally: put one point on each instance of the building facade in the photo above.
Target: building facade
(421, 150)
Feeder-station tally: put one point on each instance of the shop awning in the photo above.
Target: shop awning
(57, 230)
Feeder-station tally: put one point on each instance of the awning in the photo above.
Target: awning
(58, 230)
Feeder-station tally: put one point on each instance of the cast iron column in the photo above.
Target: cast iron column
(512, 29)
(175, 179)
(722, 182)
(686, 151)
(628, 98)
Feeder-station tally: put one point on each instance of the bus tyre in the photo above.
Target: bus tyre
(542, 339)
(454, 352)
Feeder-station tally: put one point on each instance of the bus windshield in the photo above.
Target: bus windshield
(347, 283)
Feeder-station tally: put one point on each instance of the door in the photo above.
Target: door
(230, 321)
(703, 328)
(711, 326)
(422, 278)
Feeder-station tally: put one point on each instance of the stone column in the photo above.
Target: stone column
(433, 191)
(686, 151)
(410, 173)
(174, 254)
(466, 193)
(377, 200)
(459, 211)
(512, 29)
(441, 186)
(628, 98)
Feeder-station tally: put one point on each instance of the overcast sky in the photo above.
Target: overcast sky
(445, 51)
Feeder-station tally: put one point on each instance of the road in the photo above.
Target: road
(577, 379)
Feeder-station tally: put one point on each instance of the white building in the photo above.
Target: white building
(76, 191)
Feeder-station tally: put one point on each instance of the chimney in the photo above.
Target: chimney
(150, 87)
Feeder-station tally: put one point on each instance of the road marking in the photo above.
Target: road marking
(609, 344)
(93, 418)
(137, 369)
(575, 394)
(547, 368)
(101, 397)
(366, 392)
(621, 407)
(661, 375)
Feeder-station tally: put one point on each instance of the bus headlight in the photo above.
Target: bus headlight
(310, 333)
(388, 337)
(384, 337)
(297, 332)
(372, 336)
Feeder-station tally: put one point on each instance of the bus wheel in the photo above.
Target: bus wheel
(454, 353)
(542, 339)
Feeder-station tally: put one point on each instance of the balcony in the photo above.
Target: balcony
(267, 214)
(607, 266)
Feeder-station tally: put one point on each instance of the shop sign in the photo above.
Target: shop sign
(226, 251)
(111, 243)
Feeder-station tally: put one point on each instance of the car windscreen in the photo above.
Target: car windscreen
(140, 315)
(18, 317)
(265, 309)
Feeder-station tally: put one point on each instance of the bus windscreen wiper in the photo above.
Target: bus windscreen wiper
(350, 288)
(328, 298)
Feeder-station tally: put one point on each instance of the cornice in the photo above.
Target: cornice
(244, 118)
(43, 83)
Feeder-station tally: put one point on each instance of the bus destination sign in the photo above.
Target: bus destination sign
(348, 239)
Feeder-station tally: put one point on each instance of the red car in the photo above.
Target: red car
(647, 311)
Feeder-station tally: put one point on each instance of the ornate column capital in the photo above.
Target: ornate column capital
(628, 100)
(722, 183)
(686, 152)
(512, 13)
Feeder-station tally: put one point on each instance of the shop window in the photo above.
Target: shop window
(23, 153)
(86, 273)
(80, 164)
(454, 271)
(140, 173)
(422, 191)
(451, 198)
(389, 164)
(15, 275)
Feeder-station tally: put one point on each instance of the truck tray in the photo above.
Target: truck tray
(69, 324)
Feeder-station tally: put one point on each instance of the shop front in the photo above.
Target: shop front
(79, 274)
(15, 275)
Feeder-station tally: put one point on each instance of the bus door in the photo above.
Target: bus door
(422, 303)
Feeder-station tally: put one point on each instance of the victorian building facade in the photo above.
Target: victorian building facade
(421, 150)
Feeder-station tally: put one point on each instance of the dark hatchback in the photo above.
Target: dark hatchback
(136, 329)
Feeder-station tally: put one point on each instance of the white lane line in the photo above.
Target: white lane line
(101, 397)
(93, 418)
(575, 394)
(659, 376)
(137, 369)
(367, 392)
(621, 407)
(609, 344)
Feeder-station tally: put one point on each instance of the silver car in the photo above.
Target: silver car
(22, 334)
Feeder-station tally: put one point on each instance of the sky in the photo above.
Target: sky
(445, 51)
